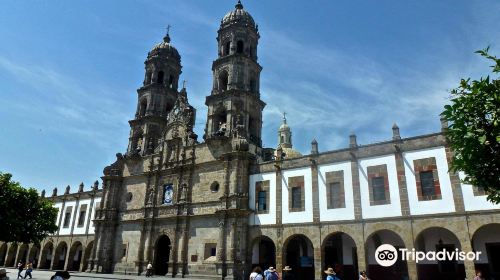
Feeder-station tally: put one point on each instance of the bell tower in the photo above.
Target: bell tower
(156, 97)
(234, 105)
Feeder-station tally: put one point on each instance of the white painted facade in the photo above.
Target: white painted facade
(443, 205)
(73, 227)
(473, 202)
(337, 214)
(305, 216)
(270, 217)
(393, 209)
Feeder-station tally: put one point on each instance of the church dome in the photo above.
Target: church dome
(238, 16)
(165, 48)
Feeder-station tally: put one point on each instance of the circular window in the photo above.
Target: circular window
(214, 187)
(128, 197)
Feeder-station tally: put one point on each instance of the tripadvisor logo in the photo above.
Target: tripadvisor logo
(387, 255)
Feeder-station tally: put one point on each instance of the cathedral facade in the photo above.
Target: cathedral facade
(218, 206)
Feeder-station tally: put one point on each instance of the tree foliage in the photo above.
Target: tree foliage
(24, 216)
(474, 130)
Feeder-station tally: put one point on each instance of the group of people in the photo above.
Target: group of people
(21, 267)
(271, 274)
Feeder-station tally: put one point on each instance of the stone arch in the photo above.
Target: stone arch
(240, 46)
(34, 254)
(385, 236)
(22, 254)
(263, 252)
(486, 239)
(160, 77)
(75, 256)
(47, 255)
(298, 253)
(87, 255)
(435, 238)
(11, 255)
(223, 80)
(59, 258)
(226, 48)
(162, 255)
(339, 251)
(143, 106)
(3, 253)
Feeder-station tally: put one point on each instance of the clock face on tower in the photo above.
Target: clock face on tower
(168, 194)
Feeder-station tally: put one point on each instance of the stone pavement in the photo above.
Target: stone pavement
(46, 274)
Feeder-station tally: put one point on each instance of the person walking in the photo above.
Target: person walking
(256, 274)
(287, 273)
(149, 270)
(330, 274)
(20, 268)
(272, 275)
(3, 274)
(29, 269)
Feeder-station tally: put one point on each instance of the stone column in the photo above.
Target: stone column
(315, 189)
(456, 186)
(403, 189)
(318, 260)
(355, 186)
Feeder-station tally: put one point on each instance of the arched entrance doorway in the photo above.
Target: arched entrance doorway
(439, 239)
(487, 241)
(162, 255)
(22, 255)
(298, 253)
(34, 254)
(339, 252)
(75, 256)
(3, 254)
(263, 252)
(46, 257)
(60, 256)
(86, 256)
(11, 256)
(397, 271)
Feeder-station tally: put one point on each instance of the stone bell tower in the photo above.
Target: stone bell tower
(234, 103)
(156, 97)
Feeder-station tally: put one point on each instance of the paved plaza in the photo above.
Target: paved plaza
(46, 274)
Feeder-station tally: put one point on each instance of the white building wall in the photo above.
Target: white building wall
(270, 217)
(443, 205)
(472, 202)
(337, 214)
(81, 229)
(67, 230)
(58, 205)
(392, 209)
(97, 201)
(305, 216)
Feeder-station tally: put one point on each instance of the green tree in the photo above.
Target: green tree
(474, 130)
(24, 216)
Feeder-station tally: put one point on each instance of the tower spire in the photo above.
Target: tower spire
(166, 39)
(238, 5)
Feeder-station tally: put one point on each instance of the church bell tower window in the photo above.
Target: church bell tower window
(239, 47)
(223, 81)
(159, 79)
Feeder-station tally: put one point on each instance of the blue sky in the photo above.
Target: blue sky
(69, 71)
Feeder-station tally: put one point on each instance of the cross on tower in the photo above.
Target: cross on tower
(284, 117)
(168, 29)
(184, 83)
